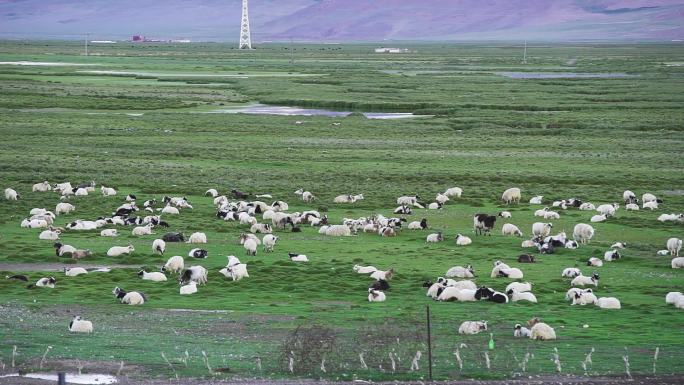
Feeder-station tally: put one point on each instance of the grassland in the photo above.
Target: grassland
(148, 133)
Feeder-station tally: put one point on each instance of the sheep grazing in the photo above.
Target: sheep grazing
(526, 258)
(11, 194)
(677, 263)
(153, 276)
(541, 230)
(542, 331)
(175, 264)
(190, 288)
(74, 271)
(583, 233)
(415, 225)
(197, 238)
(251, 246)
(629, 197)
(512, 195)
(491, 295)
(454, 192)
(263, 228)
(173, 237)
(674, 245)
(375, 295)
(441, 199)
(596, 262)
(522, 296)
(50, 235)
(386, 275)
(109, 233)
(608, 210)
(408, 200)
(434, 238)
(582, 280)
(117, 251)
(130, 298)
(472, 327)
(45, 282)
(520, 331)
(364, 269)
(245, 236)
(193, 273)
(107, 191)
(79, 325)
(512, 273)
(294, 257)
(608, 303)
(338, 231)
(308, 197)
(611, 255)
(158, 246)
(142, 230)
(79, 254)
(571, 272)
(269, 242)
(198, 253)
(483, 223)
(235, 272)
(511, 229)
(64, 208)
(461, 272)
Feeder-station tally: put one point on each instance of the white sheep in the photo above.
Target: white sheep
(109, 233)
(505, 214)
(598, 218)
(542, 230)
(587, 206)
(457, 294)
(662, 253)
(142, 230)
(454, 192)
(107, 191)
(235, 272)
(159, 246)
(64, 208)
(520, 331)
(434, 238)
(671, 297)
(528, 243)
(190, 288)
(570, 294)
(652, 205)
(46, 282)
(512, 273)
(498, 265)
(536, 200)
(541, 212)
(462, 240)
(674, 245)
(611, 255)
(511, 229)
(74, 271)
(49, 235)
(263, 228)
(41, 187)
(583, 233)
(116, 251)
(155, 276)
(364, 269)
(472, 327)
(245, 236)
(608, 303)
(294, 257)
(460, 272)
(197, 238)
(269, 242)
(433, 206)
(608, 210)
(131, 298)
(11, 194)
(677, 263)
(168, 209)
(407, 200)
(344, 199)
(81, 192)
(571, 272)
(542, 331)
(251, 246)
(433, 290)
(34, 223)
(175, 264)
(308, 197)
(520, 287)
(338, 231)
(632, 207)
(194, 273)
(648, 197)
(79, 325)
(523, 296)
(323, 229)
(671, 217)
(551, 215)
(511, 195)
(212, 192)
(582, 280)
(385, 275)
(583, 298)
(375, 295)
(441, 198)
(596, 262)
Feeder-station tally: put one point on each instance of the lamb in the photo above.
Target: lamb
(433, 289)
(520, 331)
(629, 197)
(571, 244)
(674, 245)
(269, 242)
(294, 257)
(528, 243)
(41, 187)
(541, 230)
(441, 198)
(168, 209)
(175, 264)
(107, 191)
(11, 194)
(212, 193)
(142, 230)
(109, 233)
(677, 263)
(472, 327)
(375, 295)
(78, 254)
(522, 296)
(194, 273)
(64, 208)
(461, 272)
(197, 238)
(45, 282)
(662, 253)
(582, 233)
(283, 206)
(190, 288)
(672, 297)
(512, 195)
(74, 271)
(61, 249)
(455, 293)
(153, 276)
(483, 223)
(596, 262)
(491, 295)
(571, 272)
(551, 215)
(251, 246)
(571, 293)
(131, 298)
(434, 238)
(462, 240)
(50, 235)
(408, 200)
(505, 214)
(511, 229)
(344, 199)
(611, 255)
(498, 265)
(518, 287)
(245, 236)
(383, 275)
(35, 223)
(648, 197)
(652, 205)
(526, 258)
(308, 197)
(671, 217)
(79, 325)
(403, 210)
(618, 245)
(158, 246)
(235, 272)
(454, 192)
(431, 206)
(246, 219)
(598, 218)
(608, 303)
(364, 269)
(536, 200)
(263, 228)
(582, 280)
(608, 210)
(542, 331)
(587, 206)
(512, 273)
(338, 231)
(198, 253)
(632, 207)
(415, 225)
(120, 250)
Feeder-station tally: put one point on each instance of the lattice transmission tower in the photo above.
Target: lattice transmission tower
(245, 38)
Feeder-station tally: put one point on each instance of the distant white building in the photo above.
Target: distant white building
(392, 50)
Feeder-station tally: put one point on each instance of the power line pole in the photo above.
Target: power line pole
(525, 53)
(87, 37)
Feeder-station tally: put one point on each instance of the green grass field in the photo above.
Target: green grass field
(145, 130)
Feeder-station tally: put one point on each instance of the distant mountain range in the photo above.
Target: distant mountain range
(347, 20)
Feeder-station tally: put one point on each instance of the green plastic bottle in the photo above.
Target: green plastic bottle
(491, 341)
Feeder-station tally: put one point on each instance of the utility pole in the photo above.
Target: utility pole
(87, 37)
(525, 53)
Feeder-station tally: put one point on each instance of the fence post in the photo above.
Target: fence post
(61, 378)
(429, 343)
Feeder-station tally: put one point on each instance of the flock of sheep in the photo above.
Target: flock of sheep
(276, 216)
